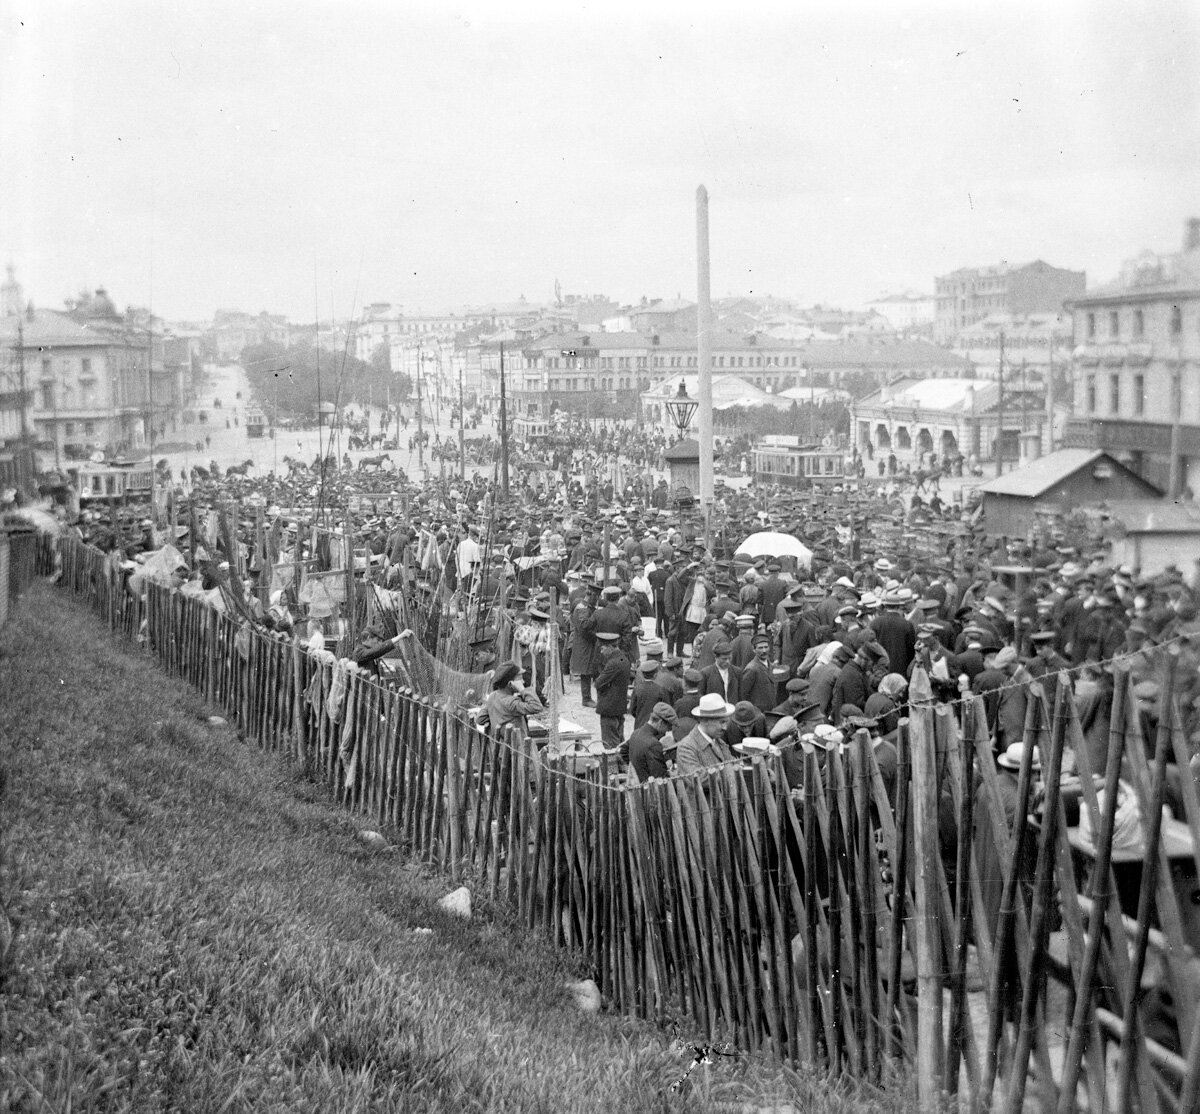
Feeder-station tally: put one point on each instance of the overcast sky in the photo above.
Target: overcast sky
(288, 156)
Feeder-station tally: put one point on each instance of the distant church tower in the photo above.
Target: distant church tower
(12, 302)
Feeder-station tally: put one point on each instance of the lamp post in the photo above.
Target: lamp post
(681, 409)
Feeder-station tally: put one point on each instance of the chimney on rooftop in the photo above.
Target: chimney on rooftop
(1191, 234)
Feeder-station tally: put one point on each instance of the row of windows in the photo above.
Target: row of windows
(787, 463)
(1137, 323)
(626, 362)
(85, 367)
(87, 429)
(87, 396)
(1114, 394)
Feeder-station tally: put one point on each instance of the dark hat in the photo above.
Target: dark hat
(664, 712)
(505, 673)
(789, 603)
(761, 640)
(693, 676)
(1043, 636)
(744, 713)
(672, 662)
(649, 666)
(797, 684)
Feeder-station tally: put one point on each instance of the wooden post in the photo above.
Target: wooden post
(553, 674)
(264, 565)
(928, 933)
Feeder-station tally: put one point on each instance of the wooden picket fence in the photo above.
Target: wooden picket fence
(824, 926)
(22, 555)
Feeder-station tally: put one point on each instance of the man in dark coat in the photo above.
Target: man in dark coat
(645, 748)
(584, 653)
(646, 692)
(676, 594)
(611, 617)
(658, 585)
(756, 683)
(852, 686)
(797, 636)
(773, 589)
(721, 677)
(670, 679)
(797, 706)
(743, 644)
(612, 689)
(895, 634)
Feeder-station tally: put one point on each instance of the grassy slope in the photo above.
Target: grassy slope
(199, 929)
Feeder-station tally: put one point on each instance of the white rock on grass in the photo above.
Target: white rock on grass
(586, 995)
(458, 902)
(373, 839)
(216, 721)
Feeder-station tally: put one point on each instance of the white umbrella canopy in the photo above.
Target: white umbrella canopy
(770, 543)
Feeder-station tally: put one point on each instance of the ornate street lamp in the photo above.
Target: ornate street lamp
(682, 409)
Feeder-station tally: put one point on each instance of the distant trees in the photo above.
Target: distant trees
(287, 378)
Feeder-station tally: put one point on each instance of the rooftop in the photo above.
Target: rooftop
(946, 395)
(1040, 475)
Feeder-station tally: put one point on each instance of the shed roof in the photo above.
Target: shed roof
(1040, 475)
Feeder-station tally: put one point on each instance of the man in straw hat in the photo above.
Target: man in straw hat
(704, 746)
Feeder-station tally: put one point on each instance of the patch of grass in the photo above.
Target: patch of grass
(196, 927)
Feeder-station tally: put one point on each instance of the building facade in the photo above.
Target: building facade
(908, 312)
(914, 420)
(1135, 367)
(96, 379)
(968, 295)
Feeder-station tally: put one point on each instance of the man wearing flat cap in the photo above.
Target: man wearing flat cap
(645, 751)
(757, 684)
(646, 692)
(612, 689)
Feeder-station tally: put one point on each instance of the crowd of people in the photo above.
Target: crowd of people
(690, 653)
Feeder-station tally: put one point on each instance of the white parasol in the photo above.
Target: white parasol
(770, 543)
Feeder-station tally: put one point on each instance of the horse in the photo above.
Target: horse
(376, 461)
(240, 469)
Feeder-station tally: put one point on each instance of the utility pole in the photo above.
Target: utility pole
(1175, 481)
(462, 437)
(1024, 400)
(1000, 412)
(25, 460)
(503, 427)
(420, 422)
(704, 355)
(1050, 398)
(150, 386)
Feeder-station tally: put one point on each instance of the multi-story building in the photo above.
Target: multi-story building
(908, 312)
(233, 330)
(1134, 366)
(96, 378)
(564, 367)
(970, 294)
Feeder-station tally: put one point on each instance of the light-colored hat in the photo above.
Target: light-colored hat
(1006, 655)
(712, 706)
(786, 726)
(1011, 758)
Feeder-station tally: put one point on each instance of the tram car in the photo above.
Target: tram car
(782, 459)
(256, 422)
(114, 481)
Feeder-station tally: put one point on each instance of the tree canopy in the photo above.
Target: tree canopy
(288, 376)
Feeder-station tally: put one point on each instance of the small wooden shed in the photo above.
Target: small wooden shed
(1057, 484)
